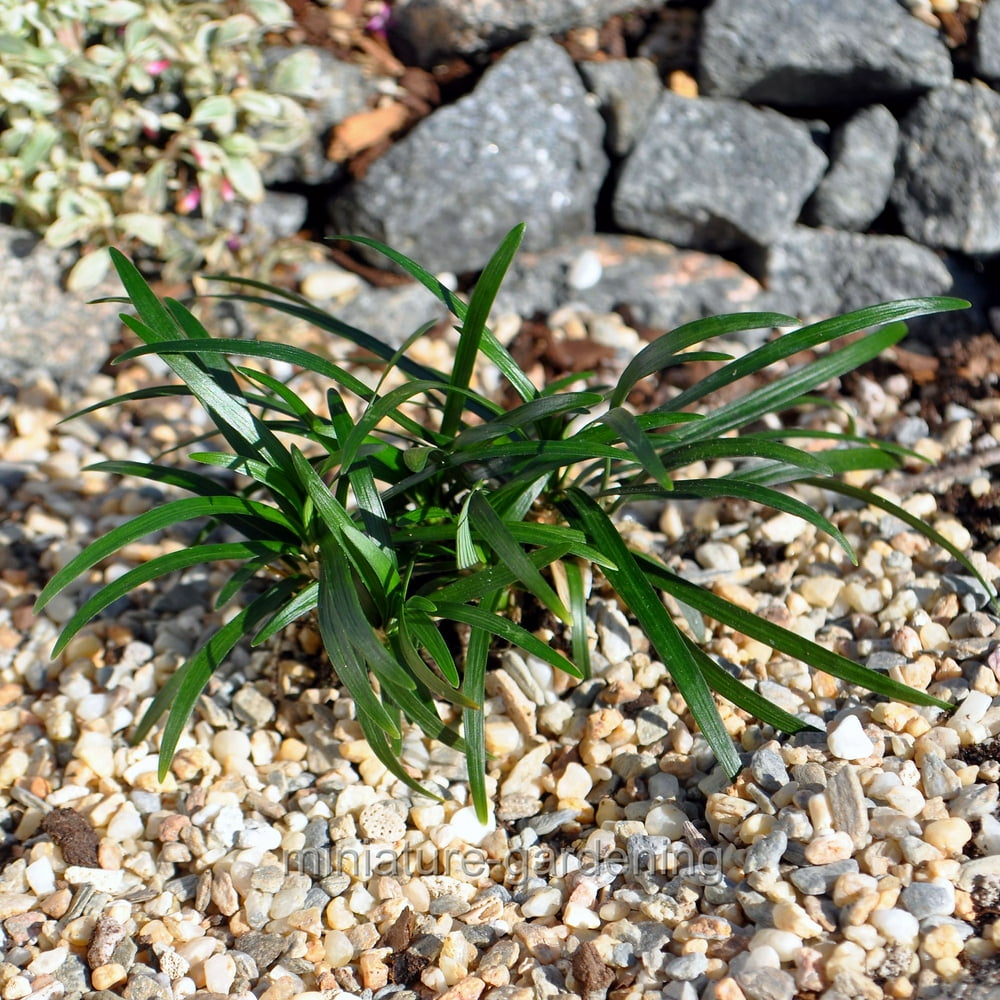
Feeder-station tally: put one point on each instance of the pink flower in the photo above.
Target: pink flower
(379, 24)
(189, 201)
(233, 243)
(226, 189)
(157, 66)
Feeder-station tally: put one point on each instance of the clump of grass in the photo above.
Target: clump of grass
(384, 527)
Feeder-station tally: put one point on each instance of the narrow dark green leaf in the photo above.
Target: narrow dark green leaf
(917, 523)
(733, 690)
(496, 534)
(491, 347)
(474, 327)
(642, 451)
(427, 634)
(505, 629)
(783, 639)
(155, 568)
(301, 603)
(579, 638)
(633, 586)
(339, 648)
(812, 336)
(154, 520)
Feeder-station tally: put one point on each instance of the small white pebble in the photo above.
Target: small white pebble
(848, 740)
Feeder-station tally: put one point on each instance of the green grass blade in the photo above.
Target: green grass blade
(642, 451)
(504, 628)
(473, 721)
(150, 392)
(734, 691)
(491, 347)
(746, 446)
(301, 603)
(732, 487)
(338, 647)
(427, 634)
(632, 584)
(493, 578)
(665, 350)
(783, 639)
(779, 394)
(527, 413)
(812, 336)
(579, 639)
(868, 497)
(156, 520)
(155, 568)
(474, 326)
(494, 532)
(181, 691)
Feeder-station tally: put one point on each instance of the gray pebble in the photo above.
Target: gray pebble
(755, 905)
(929, 899)
(263, 948)
(974, 802)
(818, 879)
(687, 967)
(550, 822)
(938, 778)
(767, 984)
(847, 804)
(884, 661)
(766, 852)
(252, 708)
(768, 769)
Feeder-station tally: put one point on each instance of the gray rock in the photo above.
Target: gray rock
(263, 948)
(758, 908)
(425, 30)
(279, 216)
(884, 661)
(686, 967)
(768, 769)
(987, 54)
(391, 314)
(910, 430)
(847, 804)
(818, 879)
(947, 188)
(929, 899)
(252, 707)
(715, 174)
(767, 984)
(830, 54)
(449, 191)
(813, 272)
(336, 90)
(42, 326)
(766, 852)
(862, 168)
(938, 779)
(974, 801)
(628, 90)
(662, 286)
(647, 853)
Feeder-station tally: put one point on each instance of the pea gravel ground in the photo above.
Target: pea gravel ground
(279, 859)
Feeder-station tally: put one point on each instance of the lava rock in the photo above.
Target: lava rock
(661, 285)
(862, 168)
(715, 174)
(628, 90)
(848, 53)
(428, 30)
(525, 144)
(947, 188)
(814, 273)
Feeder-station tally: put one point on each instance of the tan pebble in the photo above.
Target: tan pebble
(105, 976)
(57, 903)
(948, 835)
(374, 971)
(943, 941)
(469, 988)
(728, 989)
(829, 847)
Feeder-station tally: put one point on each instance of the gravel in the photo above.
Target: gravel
(280, 859)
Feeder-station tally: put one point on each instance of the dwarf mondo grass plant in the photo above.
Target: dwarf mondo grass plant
(385, 527)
